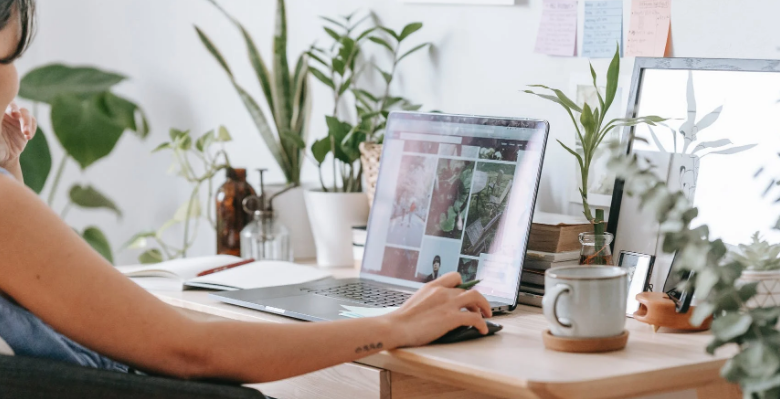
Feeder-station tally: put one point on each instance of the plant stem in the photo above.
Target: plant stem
(65, 210)
(57, 179)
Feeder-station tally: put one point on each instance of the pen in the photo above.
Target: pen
(469, 285)
(226, 267)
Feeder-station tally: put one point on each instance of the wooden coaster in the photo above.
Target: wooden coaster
(584, 345)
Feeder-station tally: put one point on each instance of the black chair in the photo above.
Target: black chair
(22, 377)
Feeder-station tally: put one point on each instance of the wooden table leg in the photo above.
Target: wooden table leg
(720, 389)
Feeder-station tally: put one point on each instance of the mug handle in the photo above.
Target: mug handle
(550, 307)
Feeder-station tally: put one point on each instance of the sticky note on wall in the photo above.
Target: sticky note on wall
(558, 29)
(603, 28)
(650, 26)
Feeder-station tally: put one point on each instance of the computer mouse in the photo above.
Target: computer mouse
(466, 333)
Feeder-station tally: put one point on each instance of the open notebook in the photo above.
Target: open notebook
(176, 274)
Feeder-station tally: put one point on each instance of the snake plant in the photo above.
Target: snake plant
(285, 91)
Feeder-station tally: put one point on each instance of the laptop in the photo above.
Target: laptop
(455, 193)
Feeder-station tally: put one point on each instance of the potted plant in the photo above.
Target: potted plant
(337, 207)
(592, 128)
(340, 68)
(83, 109)
(723, 283)
(200, 174)
(285, 129)
(761, 262)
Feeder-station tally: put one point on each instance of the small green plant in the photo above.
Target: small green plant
(340, 67)
(87, 119)
(286, 95)
(187, 152)
(591, 128)
(756, 367)
(759, 255)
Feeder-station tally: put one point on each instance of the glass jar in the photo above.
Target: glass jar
(265, 238)
(596, 250)
(231, 218)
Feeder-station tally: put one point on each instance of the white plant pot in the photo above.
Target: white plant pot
(768, 288)
(291, 208)
(332, 217)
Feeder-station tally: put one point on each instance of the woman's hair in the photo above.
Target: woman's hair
(437, 259)
(25, 9)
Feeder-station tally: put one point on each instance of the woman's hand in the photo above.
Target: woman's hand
(18, 128)
(437, 308)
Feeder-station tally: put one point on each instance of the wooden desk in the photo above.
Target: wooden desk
(512, 364)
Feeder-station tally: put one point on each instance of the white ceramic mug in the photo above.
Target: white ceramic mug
(586, 301)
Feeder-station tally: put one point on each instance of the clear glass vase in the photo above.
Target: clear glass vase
(265, 238)
(596, 250)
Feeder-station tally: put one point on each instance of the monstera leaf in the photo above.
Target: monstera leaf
(83, 128)
(46, 83)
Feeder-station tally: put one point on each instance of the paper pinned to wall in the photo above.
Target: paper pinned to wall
(558, 29)
(603, 28)
(650, 28)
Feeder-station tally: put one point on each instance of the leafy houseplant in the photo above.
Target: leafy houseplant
(756, 367)
(285, 92)
(593, 127)
(184, 147)
(340, 68)
(88, 120)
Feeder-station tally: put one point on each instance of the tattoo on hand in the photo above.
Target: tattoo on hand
(369, 348)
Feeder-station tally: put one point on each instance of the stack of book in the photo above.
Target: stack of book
(554, 242)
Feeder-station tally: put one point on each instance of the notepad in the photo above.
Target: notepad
(603, 28)
(650, 26)
(180, 273)
(558, 29)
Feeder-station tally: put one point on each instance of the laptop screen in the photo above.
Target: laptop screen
(455, 193)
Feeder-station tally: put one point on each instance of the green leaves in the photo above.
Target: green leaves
(730, 326)
(98, 241)
(36, 162)
(382, 42)
(151, 256)
(90, 198)
(593, 130)
(409, 29)
(286, 93)
(86, 133)
(612, 80)
(46, 83)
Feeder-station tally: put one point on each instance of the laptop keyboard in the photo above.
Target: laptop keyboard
(364, 293)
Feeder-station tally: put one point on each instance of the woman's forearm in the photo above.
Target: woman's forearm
(254, 352)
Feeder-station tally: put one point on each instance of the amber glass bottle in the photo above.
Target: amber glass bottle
(231, 218)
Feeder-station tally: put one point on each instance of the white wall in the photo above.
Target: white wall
(482, 59)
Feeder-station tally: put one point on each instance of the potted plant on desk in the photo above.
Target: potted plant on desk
(722, 282)
(285, 128)
(761, 262)
(591, 129)
(337, 207)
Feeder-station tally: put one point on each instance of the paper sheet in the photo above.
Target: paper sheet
(650, 28)
(357, 312)
(603, 28)
(558, 29)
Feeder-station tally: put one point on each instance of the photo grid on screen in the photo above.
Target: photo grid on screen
(448, 210)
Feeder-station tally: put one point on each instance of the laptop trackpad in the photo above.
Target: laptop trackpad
(310, 307)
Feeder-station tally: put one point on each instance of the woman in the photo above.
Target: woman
(53, 286)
